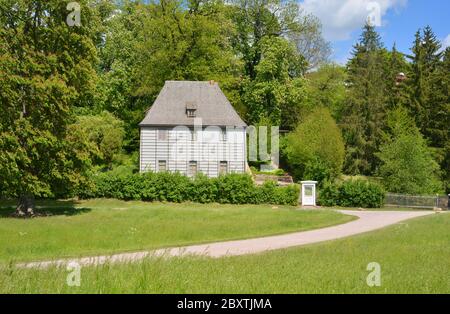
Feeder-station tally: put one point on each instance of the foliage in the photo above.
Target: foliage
(365, 108)
(429, 93)
(326, 87)
(397, 89)
(103, 133)
(119, 67)
(186, 41)
(275, 40)
(46, 68)
(353, 193)
(425, 61)
(315, 150)
(257, 20)
(175, 187)
(273, 93)
(407, 163)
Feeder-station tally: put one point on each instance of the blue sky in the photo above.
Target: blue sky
(399, 19)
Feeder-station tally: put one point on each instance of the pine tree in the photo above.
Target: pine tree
(365, 107)
(397, 89)
(424, 63)
(429, 93)
(439, 127)
(407, 163)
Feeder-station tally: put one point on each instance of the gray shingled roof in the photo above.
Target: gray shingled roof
(212, 106)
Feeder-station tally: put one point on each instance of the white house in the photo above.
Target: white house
(192, 127)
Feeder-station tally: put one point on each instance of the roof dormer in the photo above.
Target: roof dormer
(191, 109)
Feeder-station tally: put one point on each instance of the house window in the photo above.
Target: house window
(163, 135)
(162, 166)
(192, 168)
(224, 135)
(223, 167)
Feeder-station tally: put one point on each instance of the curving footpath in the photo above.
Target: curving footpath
(368, 221)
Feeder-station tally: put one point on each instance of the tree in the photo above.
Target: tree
(120, 65)
(104, 135)
(326, 87)
(424, 63)
(429, 93)
(268, 28)
(440, 115)
(310, 42)
(46, 68)
(186, 41)
(315, 150)
(407, 165)
(255, 20)
(397, 75)
(365, 107)
(274, 93)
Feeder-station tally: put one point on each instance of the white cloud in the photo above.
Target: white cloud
(446, 42)
(341, 17)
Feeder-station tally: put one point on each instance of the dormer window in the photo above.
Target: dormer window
(191, 110)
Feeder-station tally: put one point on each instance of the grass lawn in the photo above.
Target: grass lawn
(105, 226)
(414, 258)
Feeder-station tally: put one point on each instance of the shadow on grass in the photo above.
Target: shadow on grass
(45, 208)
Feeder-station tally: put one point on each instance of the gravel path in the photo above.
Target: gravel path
(368, 221)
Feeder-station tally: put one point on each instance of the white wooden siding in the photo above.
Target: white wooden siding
(179, 149)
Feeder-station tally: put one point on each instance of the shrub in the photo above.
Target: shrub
(236, 189)
(102, 133)
(175, 187)
(355, 193)
(203, 190)
(315, 149)
(287, 195)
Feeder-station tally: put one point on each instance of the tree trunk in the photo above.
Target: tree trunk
(25, 206)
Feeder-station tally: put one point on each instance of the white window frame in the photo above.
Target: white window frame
(193, 162)
(165, 165)
(226, 169)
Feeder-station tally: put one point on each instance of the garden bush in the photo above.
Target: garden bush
(315, 150)
(236, 189)
(175, 187)
(354, 193)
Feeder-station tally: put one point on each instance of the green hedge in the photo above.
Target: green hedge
(174, 187)
(354, 193)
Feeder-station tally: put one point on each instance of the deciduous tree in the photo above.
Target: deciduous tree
(46, 68)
